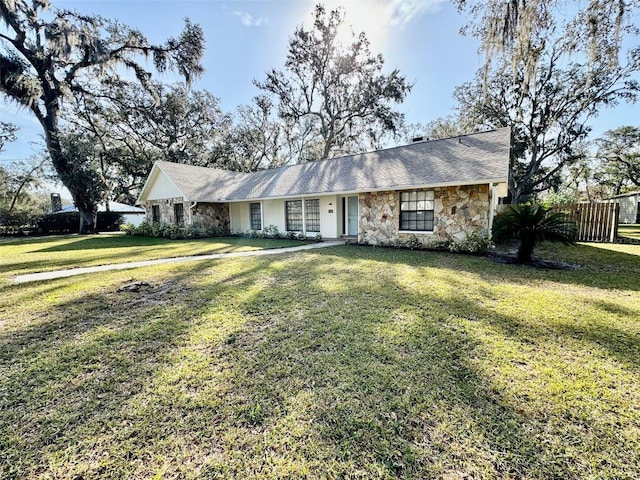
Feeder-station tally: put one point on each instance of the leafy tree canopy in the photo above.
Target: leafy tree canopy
(48, 54)
(122, 131)
(522, 29)
(335, 97)
(7, 134)
(618, 157)
(20, 180)
(257, 139)
(555, 65)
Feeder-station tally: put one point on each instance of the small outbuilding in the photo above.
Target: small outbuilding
(629, 206)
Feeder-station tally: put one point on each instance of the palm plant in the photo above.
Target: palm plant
(531, 224)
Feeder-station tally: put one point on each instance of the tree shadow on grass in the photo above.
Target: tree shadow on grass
(622, 344)
(600, 268)
(127, 241)
(369, 378)
(43, 265)
(69, 375)
(101, 242)
(316, 365)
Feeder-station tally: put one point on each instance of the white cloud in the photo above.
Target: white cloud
(249, 20)
(404, 11)
(378, 18)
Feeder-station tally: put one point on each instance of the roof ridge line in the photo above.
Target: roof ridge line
(384, 149)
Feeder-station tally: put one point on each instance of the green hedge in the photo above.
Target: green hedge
(69, 222)
(18, 222)
(164, 230)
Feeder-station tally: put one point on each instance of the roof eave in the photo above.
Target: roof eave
(628, 194)
(152, 178)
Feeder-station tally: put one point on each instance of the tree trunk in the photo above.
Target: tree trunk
(88, 224)
(17, 194)
(80, 192)
(80, 186)
(27, 178)
(514, 192)
(525, 251)
(88, 216)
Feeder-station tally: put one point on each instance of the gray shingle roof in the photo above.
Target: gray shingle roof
(115, 207)
(458, 160)
(628, 194)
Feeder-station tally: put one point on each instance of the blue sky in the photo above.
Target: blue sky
(244, 39)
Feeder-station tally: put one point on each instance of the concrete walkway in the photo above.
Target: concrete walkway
(34, 277)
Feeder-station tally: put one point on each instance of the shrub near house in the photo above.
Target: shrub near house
(532, 224)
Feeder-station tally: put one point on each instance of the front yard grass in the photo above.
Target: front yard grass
(69, 251)
(345, 362)
(629, 231)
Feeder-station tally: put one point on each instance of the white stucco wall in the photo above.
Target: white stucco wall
(273, 213)
(162, 187)
(239, 213)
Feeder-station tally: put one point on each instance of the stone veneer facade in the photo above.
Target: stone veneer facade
(212, 215)
(458, 211)
(205, 214)
(167, 214)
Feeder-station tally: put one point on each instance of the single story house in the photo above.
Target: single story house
(629, 207)
(435, 190)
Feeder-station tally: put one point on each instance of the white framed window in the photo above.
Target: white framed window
(312, 215)
(416, 210)
(255, 216)
(293, 214)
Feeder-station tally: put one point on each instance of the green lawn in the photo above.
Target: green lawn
(44, 254)
(345, 362)
(629, 231)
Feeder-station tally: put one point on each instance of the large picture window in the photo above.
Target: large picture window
(312, 215)
(256, 216)
(294, 215)
(416, 210)
(178, 211)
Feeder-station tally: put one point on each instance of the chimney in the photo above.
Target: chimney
(56, 202)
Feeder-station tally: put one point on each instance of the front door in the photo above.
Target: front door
(352, 216)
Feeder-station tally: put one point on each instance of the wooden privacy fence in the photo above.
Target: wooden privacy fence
(595, 222)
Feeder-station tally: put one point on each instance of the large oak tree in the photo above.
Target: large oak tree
(124, 128)
(553, 67)
(256, 139)
(549, 115)
(519, 28)
(618, 157)
(336, 97)
(47, 54)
